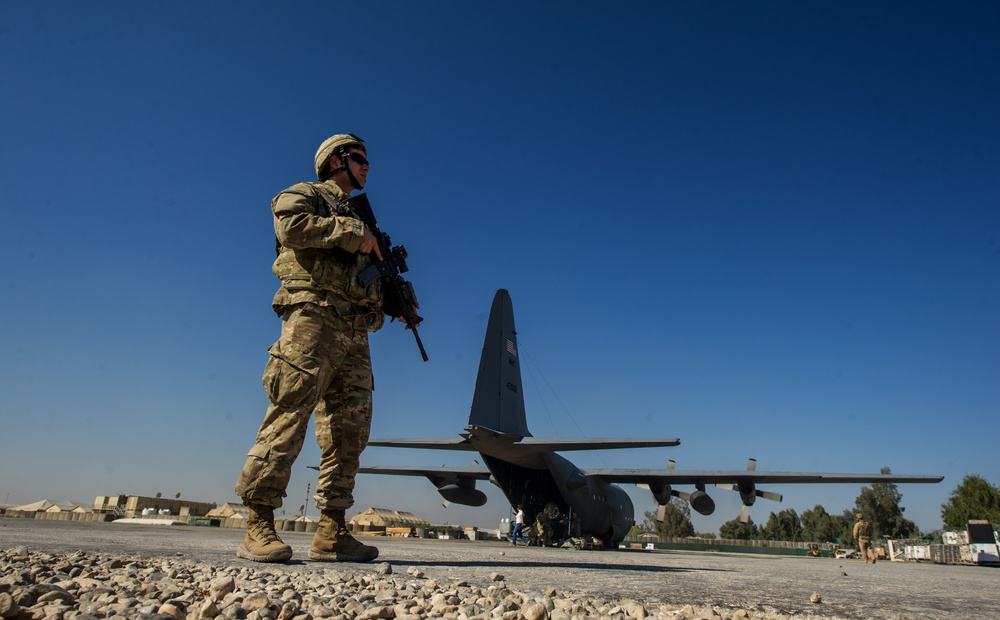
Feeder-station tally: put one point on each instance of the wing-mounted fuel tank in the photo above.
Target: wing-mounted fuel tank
(459, 490)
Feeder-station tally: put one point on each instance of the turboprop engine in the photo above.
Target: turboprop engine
(699, 500)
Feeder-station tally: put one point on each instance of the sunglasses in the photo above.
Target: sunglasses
(358, 159)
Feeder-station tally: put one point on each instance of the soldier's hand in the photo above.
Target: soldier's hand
(369, 244)
(416, 306)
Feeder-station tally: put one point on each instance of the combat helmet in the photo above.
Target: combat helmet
(335, 145)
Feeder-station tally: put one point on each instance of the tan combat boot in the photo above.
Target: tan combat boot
(261, 544)
(333, 543)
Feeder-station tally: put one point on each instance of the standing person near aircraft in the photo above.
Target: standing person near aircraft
(518, 528)
(321, 364)
(863, 534)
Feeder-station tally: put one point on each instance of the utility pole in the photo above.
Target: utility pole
(305, 504)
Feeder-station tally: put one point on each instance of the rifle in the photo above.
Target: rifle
(399, 296)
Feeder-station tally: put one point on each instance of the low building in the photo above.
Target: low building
(138, 505)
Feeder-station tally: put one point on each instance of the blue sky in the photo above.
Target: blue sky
(770, 229)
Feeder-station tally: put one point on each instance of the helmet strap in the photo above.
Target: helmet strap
(342, 156)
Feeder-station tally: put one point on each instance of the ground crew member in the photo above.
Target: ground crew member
(518, 527)
(863, 534)
(321, 363)
(543, 529)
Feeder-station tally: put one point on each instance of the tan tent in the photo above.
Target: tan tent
(384, 517)
(229, 510)
(51, 505)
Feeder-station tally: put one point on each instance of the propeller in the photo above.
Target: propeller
(749, 492)
(662, 492)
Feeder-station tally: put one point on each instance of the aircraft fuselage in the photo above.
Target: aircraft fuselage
(601, 510)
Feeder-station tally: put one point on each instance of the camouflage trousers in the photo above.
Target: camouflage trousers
(320, 366)
(865, 548)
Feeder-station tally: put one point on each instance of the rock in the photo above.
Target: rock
(57, 594)
(288, 611)
(220, 587)
(255, 601)
(208, 609)
(534, 611)
(8, 607)
(496, 577)
(816, 598)
(169, 609)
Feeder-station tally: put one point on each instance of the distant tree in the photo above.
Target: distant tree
(738, 530)
(819, 526)
(706, 535)
(676, 521)
(879, 503)
(844, 526)
(974, 498)
(782, 526)
(636, 530)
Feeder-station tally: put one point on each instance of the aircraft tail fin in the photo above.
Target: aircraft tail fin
(498, 403)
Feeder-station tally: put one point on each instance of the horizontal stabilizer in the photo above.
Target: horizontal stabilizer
(439, 443)
(557, 444)
(534, 444)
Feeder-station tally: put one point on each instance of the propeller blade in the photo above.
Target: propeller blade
(774, 497)
(745, 514)
(661, 513)
(751, 464)
(671, 464)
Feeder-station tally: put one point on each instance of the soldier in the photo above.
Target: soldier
(863, 534)
(321, 363)
(543, 529)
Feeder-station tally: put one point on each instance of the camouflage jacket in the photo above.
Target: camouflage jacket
(318, 260)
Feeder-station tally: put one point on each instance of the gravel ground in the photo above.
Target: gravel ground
(146, 570)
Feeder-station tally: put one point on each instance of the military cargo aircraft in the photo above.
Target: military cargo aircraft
(531, 474)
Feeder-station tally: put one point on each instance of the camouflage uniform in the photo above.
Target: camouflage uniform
(321, 364)
(863, 534)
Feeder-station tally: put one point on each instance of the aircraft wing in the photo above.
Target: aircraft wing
(694, 476)
(433, 473)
